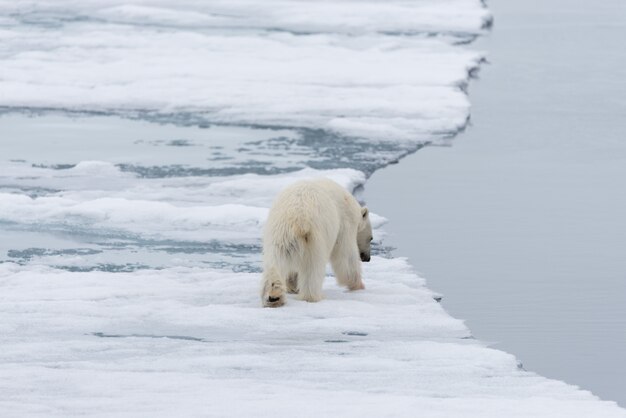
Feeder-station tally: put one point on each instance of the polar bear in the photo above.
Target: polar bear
(311, 223)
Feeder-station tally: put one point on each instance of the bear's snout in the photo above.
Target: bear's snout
(365, 257)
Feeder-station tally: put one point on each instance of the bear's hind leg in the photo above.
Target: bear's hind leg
(273, 289)
(292, 283)
(310, 280)
(347, 267)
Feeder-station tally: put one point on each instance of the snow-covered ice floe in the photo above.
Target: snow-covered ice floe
(194, 342)
(141, 146)
(342, 66)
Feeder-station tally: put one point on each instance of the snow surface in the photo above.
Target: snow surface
(194, 342)
(246, 62)
(130, 251)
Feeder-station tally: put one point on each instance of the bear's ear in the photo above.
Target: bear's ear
(364, 212)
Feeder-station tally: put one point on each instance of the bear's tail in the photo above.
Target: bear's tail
(293, 245)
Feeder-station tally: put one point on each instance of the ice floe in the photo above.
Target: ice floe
(246, 63)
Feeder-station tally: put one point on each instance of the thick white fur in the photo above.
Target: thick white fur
(310, 224)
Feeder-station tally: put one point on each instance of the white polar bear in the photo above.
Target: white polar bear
(310, 224)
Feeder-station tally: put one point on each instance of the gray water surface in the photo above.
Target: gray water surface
(521, 224)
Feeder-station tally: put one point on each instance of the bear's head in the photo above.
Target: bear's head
(364, 235)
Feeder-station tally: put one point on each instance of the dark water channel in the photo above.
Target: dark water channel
(521, 224)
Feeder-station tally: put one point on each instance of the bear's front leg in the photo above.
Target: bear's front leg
(346, 264)
(273, 289)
